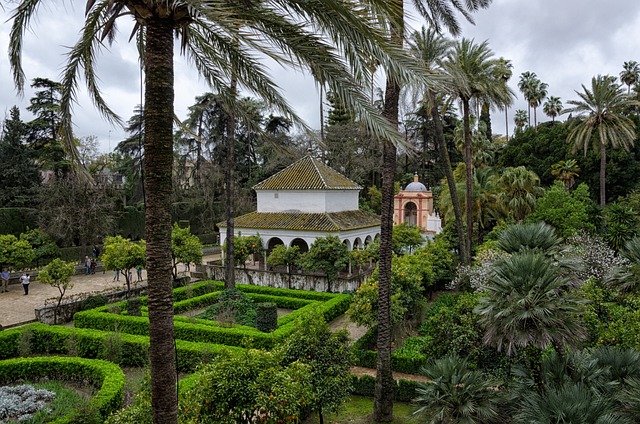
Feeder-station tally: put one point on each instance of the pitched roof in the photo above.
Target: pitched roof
(307, 174)
(334, 221)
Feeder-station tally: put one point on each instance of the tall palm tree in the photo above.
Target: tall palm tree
(552, 107)
(436, 14)
(600, 110)
(526, 83)
(520, 120)
(471, 70)
(537, 95)
(220, 40)
(504, 71)
(429, 47)
(518, 191)
(529, 306)
(630, 74)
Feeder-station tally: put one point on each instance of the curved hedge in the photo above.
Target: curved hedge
(103, 375)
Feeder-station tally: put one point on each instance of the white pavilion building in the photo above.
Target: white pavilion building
(305, 201)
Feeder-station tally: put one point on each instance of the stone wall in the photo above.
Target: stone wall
(313, 282)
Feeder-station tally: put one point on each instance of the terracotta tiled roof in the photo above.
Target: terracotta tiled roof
(335, 221)
(307, 174)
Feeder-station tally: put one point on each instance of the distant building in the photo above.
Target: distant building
(305, 201)
(414, 206)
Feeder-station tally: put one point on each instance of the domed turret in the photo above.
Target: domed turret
(415, 185)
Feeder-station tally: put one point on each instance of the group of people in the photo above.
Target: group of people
(25, 279)
(117, 272)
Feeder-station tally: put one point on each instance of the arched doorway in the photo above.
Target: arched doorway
(302, 245)
(410, 214)
(357, 244)
(273, 242)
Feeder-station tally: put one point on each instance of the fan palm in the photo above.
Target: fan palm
(600, 111)
(504, 72)
(526, 85)
(529, 305)
(220, 40)
(552, 107)
(537, 94)
(518, 191)
(630, 74)
(470, 68)
(626, 277)
(520, 120)
(539, 237)
(566, 171)
(454, 393)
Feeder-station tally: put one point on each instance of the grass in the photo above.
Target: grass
(67, 400)
(359, 409)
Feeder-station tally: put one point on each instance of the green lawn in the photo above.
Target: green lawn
(359, 410)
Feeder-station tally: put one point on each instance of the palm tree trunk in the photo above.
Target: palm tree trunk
(469, 177)
(535, 117)
(383, 394)
(448, 172)
(322, 113)
(506, 122)
(603, 170)
(229, 176)
(158, 146)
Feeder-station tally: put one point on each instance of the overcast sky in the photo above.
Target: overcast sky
(565, 42)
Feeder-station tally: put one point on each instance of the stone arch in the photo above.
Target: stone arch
(357, 244)
(273, 242)
(410, 214)
(347, 242)
(301, 243)
(368, 240)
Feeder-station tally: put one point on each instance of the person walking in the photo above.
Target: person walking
(116, 275)
(93, 266)
(87, 265)
(5, 274)
(25, 280)
(139, 272)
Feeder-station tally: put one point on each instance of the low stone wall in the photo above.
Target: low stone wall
(313, 282)
(69, 307)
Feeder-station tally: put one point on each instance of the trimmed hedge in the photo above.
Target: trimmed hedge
(104, 375)
(88, 343)
(205, 331)
(403, 390)
(401, 361)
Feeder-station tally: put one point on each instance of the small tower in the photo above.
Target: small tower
(414, 206)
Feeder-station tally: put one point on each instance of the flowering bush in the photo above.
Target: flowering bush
(475, 277)
(596, 256)
(21, 402)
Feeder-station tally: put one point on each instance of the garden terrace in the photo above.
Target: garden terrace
(204, 331)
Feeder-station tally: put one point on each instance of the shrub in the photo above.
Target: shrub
(266, 316)
(133, 307)
(93, 302)
(234, 305)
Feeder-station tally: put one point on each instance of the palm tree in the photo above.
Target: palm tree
(538, 237)
(537, 94)
(630, 74)
(566, 171)
(218, 40)
(520, 119)
(552, 107)
(600, 109)
(528, 305)
(504, 71)
(471, 70)
(429, 47)
(455, 393)
(518, 191)
(436, 14)
(626, 277)
(526, 85)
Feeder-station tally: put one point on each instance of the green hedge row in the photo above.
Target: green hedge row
(403, 390)
(132, 350)
(106, 376)
(204, 331)
(406, 361)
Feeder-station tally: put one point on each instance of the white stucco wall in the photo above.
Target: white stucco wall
(314, 201)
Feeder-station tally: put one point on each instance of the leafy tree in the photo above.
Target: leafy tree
(441, 258)
(600, 109)
(327, 254)
(19, 176)
(120, 253)
(185, 248)
(328, 355)
(406, 238)
(57, 273)
(45, 248)
(363, 309)
(569, 212)
(15, 252)
(455, 393)
(282, 255)
(247, 386)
